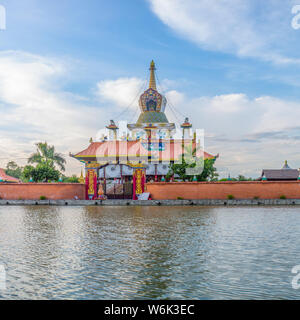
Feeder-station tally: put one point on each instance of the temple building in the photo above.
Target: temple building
(118, 167)
(284, 174)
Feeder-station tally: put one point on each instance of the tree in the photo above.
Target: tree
(13, 170)
(46, 155)
(189, 160)
(41, 173)
(73, 179)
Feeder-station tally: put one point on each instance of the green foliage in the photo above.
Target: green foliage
(180, 198)
(42, 173)
(230, 197)
(256, 197)
(243, 178)
(46, 159)
(13, 170)
(209, 172)
(43, 198)
(282, 197)
(73, 179)
(46, 155)
(27, 173)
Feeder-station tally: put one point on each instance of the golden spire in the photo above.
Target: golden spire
(81, 179)
(152, 83)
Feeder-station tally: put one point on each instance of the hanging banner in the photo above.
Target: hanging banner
(139, 179)
(91, 185)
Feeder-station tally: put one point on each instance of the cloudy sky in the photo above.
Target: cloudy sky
(233, 66)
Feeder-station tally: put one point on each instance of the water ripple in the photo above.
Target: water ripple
(149, 253)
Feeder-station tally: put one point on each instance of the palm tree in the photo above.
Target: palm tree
(46, 154)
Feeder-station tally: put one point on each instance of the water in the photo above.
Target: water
(149, 252)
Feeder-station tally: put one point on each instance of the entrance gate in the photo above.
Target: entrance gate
(118, 190)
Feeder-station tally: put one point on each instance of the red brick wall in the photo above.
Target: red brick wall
(33, 191)
(220, 190)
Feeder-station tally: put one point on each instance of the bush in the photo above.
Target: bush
(41, 173)
(73, 179)
(230, 197)
(180, 198)
(256, 197)
(43, 198)
(282, 197)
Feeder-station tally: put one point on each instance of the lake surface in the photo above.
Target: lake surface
(149, 252)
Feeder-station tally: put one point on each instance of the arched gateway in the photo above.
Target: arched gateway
(118, 167)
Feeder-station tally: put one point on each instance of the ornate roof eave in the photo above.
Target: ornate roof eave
(147, 126)
(139, 145)
(186, 126)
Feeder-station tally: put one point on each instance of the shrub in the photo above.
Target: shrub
(73, 179)
(256, 197)
(43, 198)
(180, 198)
(230, 197)
(282, 197)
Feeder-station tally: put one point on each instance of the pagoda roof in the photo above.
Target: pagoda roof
(4, 177)
(166, 150)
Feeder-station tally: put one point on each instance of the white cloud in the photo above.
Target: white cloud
(242, 27)
(250, 134)
(123, 91)
(226, 103)
(175, 97)
(277, 114)
(33, 108)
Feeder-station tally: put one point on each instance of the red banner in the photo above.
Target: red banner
(139, 180)
(91, 185)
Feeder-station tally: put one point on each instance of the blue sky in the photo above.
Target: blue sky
(233, 67)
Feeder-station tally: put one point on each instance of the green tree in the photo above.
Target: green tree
(243, 178)
(189, 160)
(46, 155)
(73, 179)
(13, 170)
(41, 173)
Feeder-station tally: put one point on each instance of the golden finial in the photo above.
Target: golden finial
(152, 83)
(81, 179)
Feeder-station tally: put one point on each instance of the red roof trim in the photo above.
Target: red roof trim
(4, 177)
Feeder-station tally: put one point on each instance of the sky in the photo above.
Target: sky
(232, 66)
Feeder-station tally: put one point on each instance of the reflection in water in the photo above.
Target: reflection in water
(149, 252)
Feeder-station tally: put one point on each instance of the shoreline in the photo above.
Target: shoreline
(120, 203)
